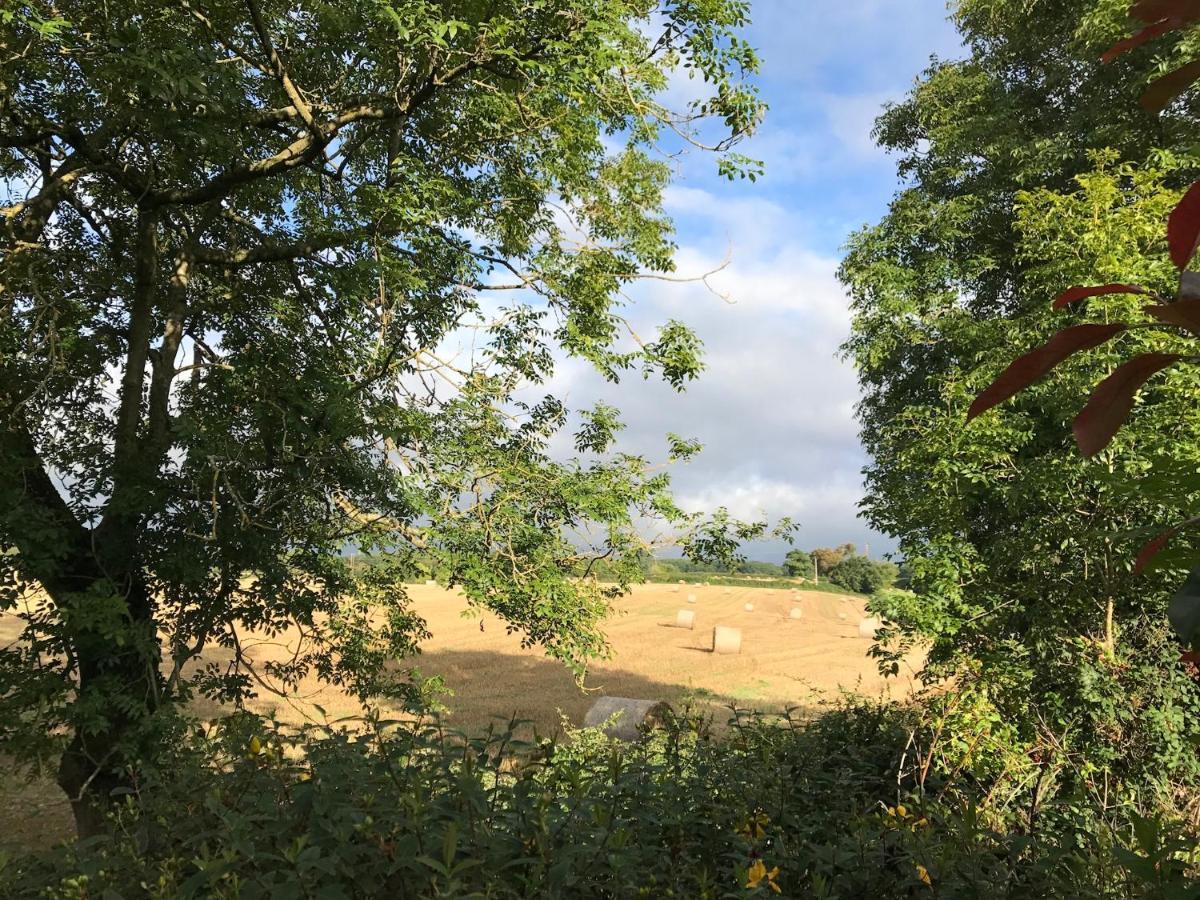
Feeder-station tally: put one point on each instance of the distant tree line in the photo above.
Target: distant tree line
(845, 567)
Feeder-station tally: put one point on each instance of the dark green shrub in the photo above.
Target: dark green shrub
(861, 574)
(837, 806)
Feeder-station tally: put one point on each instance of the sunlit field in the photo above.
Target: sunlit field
(490, 678)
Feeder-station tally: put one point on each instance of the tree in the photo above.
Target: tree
(825, 558)
(797, 564)
(863, 575)
(280, 278)
(1024, 182)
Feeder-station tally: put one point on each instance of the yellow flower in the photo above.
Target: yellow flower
(757, 873)
(755, 827)
(923, 875)
(901, 811)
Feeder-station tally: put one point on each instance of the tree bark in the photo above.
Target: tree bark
(119, 692)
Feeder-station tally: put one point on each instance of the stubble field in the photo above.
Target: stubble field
(784, 663)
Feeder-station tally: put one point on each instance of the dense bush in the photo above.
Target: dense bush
(864, 800)
(861, 574)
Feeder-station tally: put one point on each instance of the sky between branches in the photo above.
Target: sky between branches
(775, 407)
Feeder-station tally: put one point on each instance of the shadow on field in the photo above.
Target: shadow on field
(491, 688)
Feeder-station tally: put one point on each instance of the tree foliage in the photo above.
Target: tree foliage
(1033, 168)
(283, 278)
(862, 574)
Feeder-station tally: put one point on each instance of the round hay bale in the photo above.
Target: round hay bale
(795, 613)
(727, 640)
(681, 581)
(691, 598)
(429, 582)
(868, 627)
(675, 590)
(749, 607)
(843, 616)
(685, 618)
(635, 716)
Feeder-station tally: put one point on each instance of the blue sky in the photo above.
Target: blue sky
(775, 408)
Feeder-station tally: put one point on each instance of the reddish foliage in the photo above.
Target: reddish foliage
(1027, 369)
(1112, 400)
(1183, 227)
(1070, 295)
(1149, 33)
(1181, 11)
(1163, 90)
(1184, 313)
(1153, 548)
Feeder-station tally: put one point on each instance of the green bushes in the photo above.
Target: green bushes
(864, 800)
(861, 574)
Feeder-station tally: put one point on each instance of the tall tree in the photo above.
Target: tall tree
(1021, 551)
(281, 277)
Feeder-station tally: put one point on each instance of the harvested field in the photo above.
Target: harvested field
(784, 662)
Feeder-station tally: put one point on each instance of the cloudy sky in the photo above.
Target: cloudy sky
(774, 410)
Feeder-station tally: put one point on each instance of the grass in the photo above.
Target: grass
(755, 581)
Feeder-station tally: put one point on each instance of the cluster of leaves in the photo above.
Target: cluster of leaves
(863, 574)
(1032, 167)
(1176, 312)
(284, 278)
(817, 562)
(830, 807)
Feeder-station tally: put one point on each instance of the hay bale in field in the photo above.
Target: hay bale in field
(749, 607)
(691, 598)
(429, 582)
(727, 640)
(868, 627)
(843, 616)
(685, 618)
(795, 613)
(635, 716)
(675, 590)
(681, 581)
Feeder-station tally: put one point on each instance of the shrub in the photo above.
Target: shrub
(864, 800)
(861, 574)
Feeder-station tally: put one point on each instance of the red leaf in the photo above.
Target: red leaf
(1184, 313)
(1070, 295)
(1163, 90)
(1112, 400)
(1152, 549)
(1183, 227)
(1027, 369)
(1146, 34)
(1152, 10)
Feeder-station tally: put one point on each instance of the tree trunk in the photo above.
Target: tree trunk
(120, 690)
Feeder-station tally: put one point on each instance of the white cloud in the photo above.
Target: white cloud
(774, 409)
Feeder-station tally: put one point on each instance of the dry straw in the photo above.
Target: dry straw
(749, 607)
(868, 627)
(634, 717)
(795, 613)
(685, 618)
(691, 598)
(727, 640)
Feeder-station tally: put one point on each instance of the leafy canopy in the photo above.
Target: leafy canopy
(1033, 168)
(283, 279)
